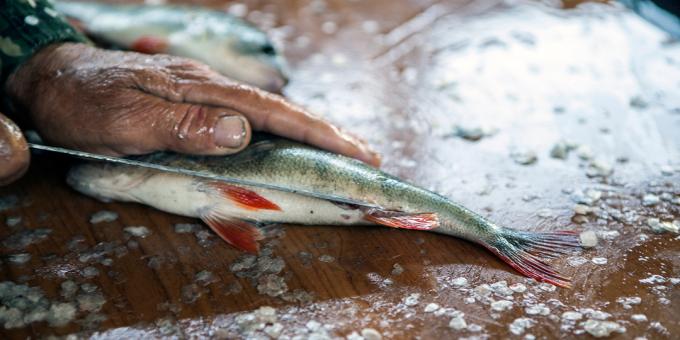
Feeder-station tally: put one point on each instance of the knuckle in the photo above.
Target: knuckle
(190, 131)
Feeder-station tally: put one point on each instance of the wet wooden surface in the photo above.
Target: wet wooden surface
(404, 76)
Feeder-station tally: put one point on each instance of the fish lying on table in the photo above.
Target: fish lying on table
(225, 43)
(230, 210)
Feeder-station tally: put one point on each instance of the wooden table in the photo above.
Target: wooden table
(404, 76)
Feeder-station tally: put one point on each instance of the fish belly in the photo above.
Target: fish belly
(297, 209)
(188, 196)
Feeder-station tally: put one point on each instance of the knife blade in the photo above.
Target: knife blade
(190, 172)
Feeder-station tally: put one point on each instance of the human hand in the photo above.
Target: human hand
(14, 155)
(123, 103)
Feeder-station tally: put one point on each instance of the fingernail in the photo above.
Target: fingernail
(230, 131)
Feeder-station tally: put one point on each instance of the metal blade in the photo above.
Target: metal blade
(188, 172)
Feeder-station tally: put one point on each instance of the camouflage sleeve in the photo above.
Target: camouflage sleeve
(25, 27)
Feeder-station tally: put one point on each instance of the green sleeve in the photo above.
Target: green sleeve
(25, 27)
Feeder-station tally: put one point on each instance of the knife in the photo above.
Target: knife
(190, 172)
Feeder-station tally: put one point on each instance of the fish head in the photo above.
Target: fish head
(246, 54)
(105, 181)
(262, 64)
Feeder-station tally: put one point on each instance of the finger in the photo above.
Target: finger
(201, 130)
(272, 113)
(14, 155)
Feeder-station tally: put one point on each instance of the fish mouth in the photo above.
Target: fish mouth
(95, 180)
(265, 72)
(269, 76)
(262, 76)
(276, 84)
(78, 179)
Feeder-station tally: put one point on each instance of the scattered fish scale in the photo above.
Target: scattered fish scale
(649, 200)
(191, 292)
(263, 271)
(326, 258)
(518, 288)
(459, 282)
(370, 334)
(474, 327)
(103, 216)
(22, 305)
(638, 317)
(595, 314)
(599, 168)
(501, 288)
(243, 262)
(538, 309)
(572, 316)
(599, 260)
(249, 323)
(546, 287)
(272, 285)
(412, 300)
(138, 231)
(600, 329)
(397, 269)
(26, 237)
(577, 261)
(520, 325)
(627, 302)
(19, 259)
(68, 289)
(90, 302)
(298, 295)
(653, 279)
(431, 307)
(90, 272)
(501, 305)
(524, 157)
(472, 133)
(562, 149)
(98, 252)
(13, 221)
(665, 226)
(186, 228)
(588, 239)
(205, 278)
(458, 322)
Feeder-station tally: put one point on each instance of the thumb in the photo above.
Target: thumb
(14, 155)
(203, 130)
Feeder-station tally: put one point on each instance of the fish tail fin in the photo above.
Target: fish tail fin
(526, 251)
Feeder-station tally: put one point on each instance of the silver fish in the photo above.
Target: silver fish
(230, 209)
(225, 43)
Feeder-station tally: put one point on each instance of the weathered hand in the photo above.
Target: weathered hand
(14, 155)
(122, 103)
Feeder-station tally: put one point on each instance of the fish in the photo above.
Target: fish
(227, 44)
(234, 211)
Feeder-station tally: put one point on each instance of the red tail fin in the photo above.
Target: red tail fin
(525, 252)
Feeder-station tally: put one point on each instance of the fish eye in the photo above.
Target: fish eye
(268, 49)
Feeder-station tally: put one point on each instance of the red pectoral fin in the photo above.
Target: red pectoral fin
(423, 221)
(239, 234)
(150, 45)
(245, 198)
